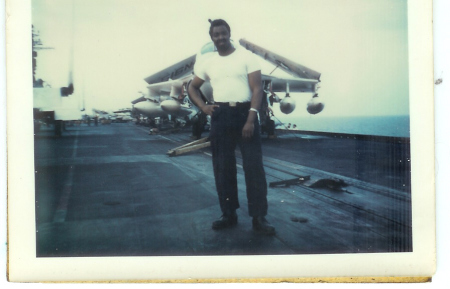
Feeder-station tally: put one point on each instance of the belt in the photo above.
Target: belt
(233, 104)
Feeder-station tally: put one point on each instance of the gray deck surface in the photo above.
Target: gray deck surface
(111, 190)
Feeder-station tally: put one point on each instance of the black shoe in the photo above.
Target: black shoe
(226, 221)
(261, 225)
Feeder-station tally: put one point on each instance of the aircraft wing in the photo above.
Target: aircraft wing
(171, 87)
(295, 84)
(142, 98)
(283, 63)
(123, 110)
(176, 71)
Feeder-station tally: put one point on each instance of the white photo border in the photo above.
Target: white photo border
(23, 266)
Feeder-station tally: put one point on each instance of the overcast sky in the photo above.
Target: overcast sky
(359, 46)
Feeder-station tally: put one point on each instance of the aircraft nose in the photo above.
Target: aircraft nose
(149, 108)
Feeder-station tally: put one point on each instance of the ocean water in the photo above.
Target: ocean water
(397, 126)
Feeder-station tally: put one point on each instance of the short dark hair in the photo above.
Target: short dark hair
(218, 22)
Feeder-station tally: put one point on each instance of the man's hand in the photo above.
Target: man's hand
(209, 109)
(247, 131)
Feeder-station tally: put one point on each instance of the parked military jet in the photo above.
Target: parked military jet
(167, 89)
(166, 101)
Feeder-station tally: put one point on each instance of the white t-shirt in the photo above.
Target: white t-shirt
(229, 75)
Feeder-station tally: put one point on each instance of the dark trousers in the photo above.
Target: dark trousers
(226, 132)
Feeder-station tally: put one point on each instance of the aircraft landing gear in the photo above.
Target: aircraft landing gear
(198, 126)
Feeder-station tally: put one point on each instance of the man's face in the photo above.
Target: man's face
(221, 37)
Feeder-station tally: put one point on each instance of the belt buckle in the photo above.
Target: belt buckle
(232, 104)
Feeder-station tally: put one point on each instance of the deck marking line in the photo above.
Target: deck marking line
(61, 210)
(167, 138)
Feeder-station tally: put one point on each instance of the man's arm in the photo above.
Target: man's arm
(195, 96)
(254, 80)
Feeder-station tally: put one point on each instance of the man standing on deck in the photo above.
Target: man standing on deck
(235, 77)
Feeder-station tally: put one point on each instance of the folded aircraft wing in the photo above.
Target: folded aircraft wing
(290, 84)
(142, 98)
(171, 87)
(176, 71)
(125, 110)
(283, 63)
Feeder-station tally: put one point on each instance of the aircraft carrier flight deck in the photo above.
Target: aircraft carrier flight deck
(112, 190)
